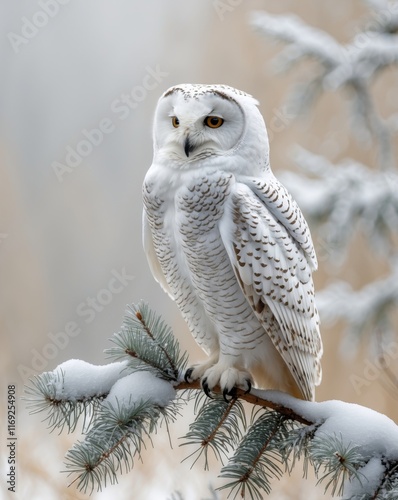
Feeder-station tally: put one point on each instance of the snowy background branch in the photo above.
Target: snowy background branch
(341, 198)
(352, 66)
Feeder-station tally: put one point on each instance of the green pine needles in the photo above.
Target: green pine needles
(257, 459)
(120, 405)
(112, 443)
(218, 427)
(115, 422)
(62, 412)
(147, 343)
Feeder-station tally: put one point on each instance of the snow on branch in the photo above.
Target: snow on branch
(353, 450)
(303, 40)
(352, 65)
(121, 403)
(70, 393)
(384, 18)
(128, 415)
(365, 56)
(339, 198)
(365, 310)
(350, 427)
(368, 52)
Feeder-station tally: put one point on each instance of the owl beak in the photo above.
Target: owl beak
(188, 146)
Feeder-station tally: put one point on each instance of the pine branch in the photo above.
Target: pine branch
(295, 446)
(339, 466)
(389, 481)
(257, 458)
(351, 66)
(369, 309)
(253, 398)
(304, 40)
(296, 429)
(218, 426)
(130, 404)
(142, 343)
(123, 423)
(65, 414)
(48, 393)
(338, 198)
(116, 438)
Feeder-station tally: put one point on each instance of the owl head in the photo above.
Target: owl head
(196, 122)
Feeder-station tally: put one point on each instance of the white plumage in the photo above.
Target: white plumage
(228, 243)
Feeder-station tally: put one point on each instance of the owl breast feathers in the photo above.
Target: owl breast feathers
(229, 245)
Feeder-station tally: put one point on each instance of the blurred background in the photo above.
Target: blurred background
(79, 85)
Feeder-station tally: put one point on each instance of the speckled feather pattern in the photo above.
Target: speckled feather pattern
(228, 243)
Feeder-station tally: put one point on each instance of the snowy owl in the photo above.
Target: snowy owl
(229, 245)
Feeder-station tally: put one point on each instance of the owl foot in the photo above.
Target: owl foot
(196, 372)
(229, 380)
(213, 373)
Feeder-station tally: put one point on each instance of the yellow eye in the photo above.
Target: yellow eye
(175, 121)
(214, 121)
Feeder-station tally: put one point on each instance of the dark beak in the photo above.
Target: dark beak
(188, 147)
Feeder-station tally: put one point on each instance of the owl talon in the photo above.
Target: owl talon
(187, 376)
(230, 394)
(249, 386)
(206, 388)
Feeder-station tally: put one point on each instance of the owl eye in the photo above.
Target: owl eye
(175, 121)
(213, 121)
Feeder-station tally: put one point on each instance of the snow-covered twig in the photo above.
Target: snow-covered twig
(68, 393)
(367, 309)
(303, 40)
(339, 198)
(351, 66)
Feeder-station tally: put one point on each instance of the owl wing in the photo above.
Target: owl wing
(153, 260)
(269, 246)
(285, 209)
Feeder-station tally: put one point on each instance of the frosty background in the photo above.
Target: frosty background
(77, 99)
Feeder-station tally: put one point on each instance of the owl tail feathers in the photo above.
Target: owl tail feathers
(285, 382)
